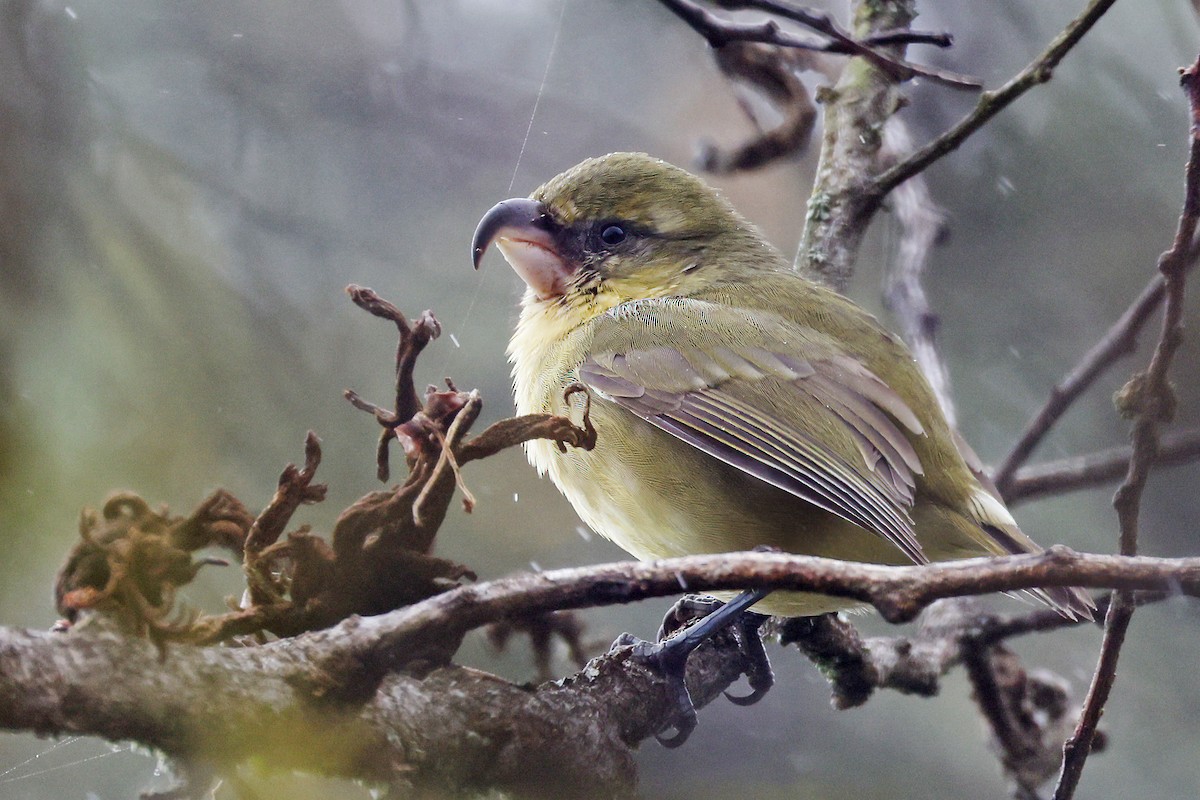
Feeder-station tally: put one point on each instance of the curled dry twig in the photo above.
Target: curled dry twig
(771, 70)
(379, 557)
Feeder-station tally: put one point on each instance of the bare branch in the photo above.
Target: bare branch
(1119, 341)
(992, 103)
(719, 32)
(1096, 469)
(899, 593)
(1150, 400)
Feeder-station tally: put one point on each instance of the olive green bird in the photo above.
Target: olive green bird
(736, 403)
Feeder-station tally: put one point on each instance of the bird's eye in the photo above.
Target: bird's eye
(612, 234)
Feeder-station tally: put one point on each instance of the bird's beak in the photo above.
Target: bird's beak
(524, 232)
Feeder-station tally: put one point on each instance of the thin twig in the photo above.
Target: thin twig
(719, 32)
(1149, 398)
(991, 103)
(1045, 620)
(1119, 341)
(1096, 469)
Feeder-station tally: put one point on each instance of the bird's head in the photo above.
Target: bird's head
(621, 227)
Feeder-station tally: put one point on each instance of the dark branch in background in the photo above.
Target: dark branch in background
(1149, 399)
(772, 70)
(1096, 469)
(720, 32)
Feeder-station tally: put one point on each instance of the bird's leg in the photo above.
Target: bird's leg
(745, 630)
(688, 608)
(670, 656)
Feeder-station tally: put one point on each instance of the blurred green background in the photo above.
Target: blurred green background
(186, 188)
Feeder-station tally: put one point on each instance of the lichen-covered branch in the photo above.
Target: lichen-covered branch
(450, 732)
(856, 110)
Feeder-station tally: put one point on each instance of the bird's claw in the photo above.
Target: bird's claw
(758, 671)
(669, 660)
(669, 656)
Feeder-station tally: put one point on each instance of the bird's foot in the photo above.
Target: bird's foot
(758, 671)
(669, 655)
(670, 661)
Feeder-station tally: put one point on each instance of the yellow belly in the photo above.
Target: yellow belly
(658, 497)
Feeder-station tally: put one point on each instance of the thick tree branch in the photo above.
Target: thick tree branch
(453, 731)
(856, 110)
(338, 701)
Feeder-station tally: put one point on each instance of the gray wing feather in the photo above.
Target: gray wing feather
(682, 395)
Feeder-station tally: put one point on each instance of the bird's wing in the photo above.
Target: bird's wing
(777, 401)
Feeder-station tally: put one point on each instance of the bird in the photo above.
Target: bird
(737, 404)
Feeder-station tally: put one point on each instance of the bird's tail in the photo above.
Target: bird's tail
(1072, 602)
